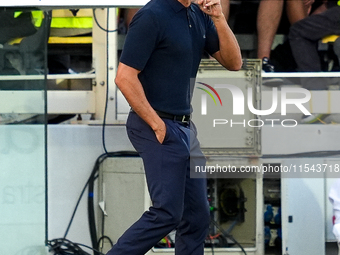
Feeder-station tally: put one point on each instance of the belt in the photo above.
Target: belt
(181, 118)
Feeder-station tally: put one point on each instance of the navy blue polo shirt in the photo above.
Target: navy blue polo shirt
(165, 42)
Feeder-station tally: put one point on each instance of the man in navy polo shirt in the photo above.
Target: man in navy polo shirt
(162, 52)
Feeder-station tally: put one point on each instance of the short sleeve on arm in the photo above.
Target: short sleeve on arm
(141, 40)
(212, 44)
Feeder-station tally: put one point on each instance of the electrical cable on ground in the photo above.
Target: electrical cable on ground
(63, 246)
(226, 236)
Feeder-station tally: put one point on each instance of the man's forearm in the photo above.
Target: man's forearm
(229, 53)
(130, 86)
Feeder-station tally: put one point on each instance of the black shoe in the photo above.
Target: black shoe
(267, 66)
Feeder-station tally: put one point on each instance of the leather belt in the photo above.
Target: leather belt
(181, 118)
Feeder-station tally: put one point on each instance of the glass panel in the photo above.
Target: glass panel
(23, 45)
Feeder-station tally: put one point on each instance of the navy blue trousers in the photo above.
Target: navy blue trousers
(178, 201)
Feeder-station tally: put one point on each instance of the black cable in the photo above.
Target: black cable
(60, 241)
(80, 197)
(107, 81)
(91, 213)
(103, 224)
(105, 30)
(90, 203)
(225, 235)
(63, 246)
(75, 209)
(88, 247)
(107, 71)
(105, 237)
